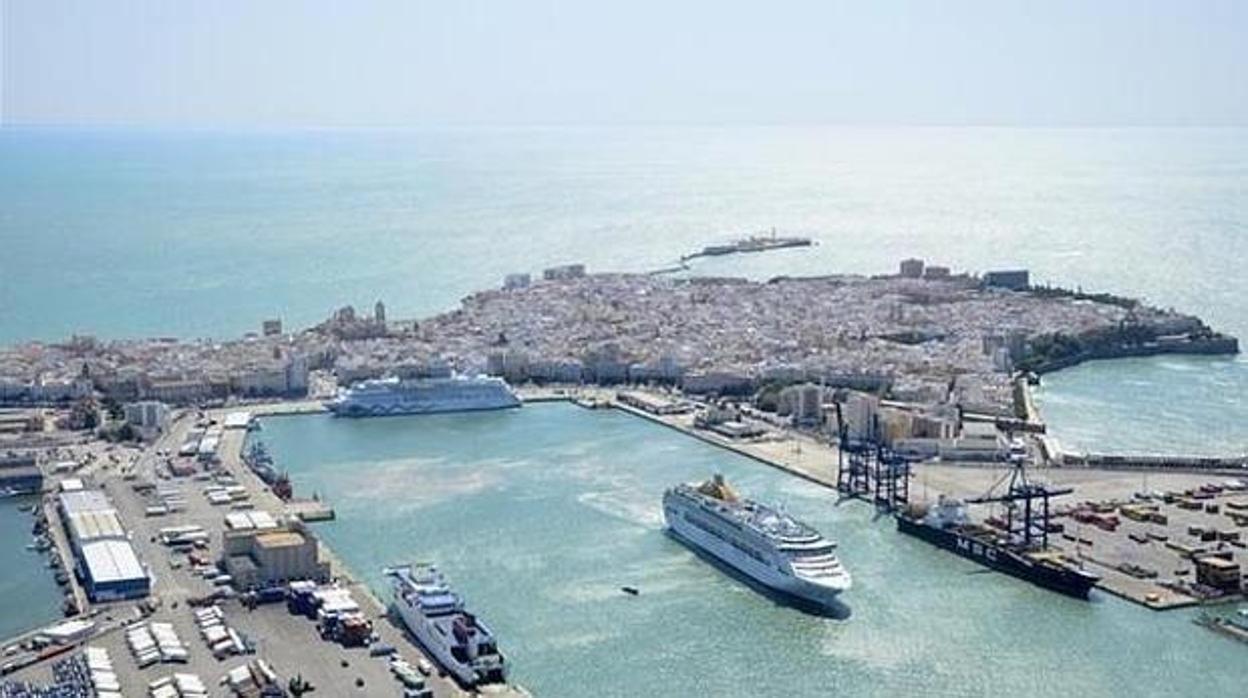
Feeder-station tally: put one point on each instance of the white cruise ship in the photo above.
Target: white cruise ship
(392, 396)
(436, 617)
(768, 546)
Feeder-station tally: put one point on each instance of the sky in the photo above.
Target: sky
(402, 63)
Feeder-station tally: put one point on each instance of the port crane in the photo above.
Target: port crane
(1033, 497)
(866, 469)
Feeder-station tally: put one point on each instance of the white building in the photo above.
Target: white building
(297, 374)
(148, 416)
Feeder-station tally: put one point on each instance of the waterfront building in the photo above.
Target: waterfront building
(13, 390)
(665, 370)
(297, 375)
(261, 381)
(353, 369)
(512, 282)
(20, 421)
(1218, 572)
(1012, 279)
(19, 472)
(860, 413)
(379, 313)
(149, 416)
(176, 391)
(565, 272)
(936, 273)
(809, 405)
(259, 555)
(556, 371)
(717, 383)
(48, 389)
(238, 420)
(976, 441)
(105, 560)
(911, 268)
(653, 404)
(271, 328)
(605, 365)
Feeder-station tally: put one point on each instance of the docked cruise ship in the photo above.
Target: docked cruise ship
(768, 546)
(393, 396)
(435, 615)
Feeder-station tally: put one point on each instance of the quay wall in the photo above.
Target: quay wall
(1212, 464)
(1213, 346)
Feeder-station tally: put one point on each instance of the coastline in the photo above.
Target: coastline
(1187, 346)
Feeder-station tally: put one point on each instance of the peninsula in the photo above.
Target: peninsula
(923, 335)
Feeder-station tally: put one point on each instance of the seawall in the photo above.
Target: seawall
(1212, 346)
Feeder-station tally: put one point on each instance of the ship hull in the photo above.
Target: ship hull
(1064, 581)
(428, 636)
(397, 409)
(765, 576)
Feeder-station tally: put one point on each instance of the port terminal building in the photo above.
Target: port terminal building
(259, 552)
(19, 472)
(104, 559)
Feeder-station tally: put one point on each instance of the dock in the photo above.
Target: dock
(794, 453)
(309, 510)
(289, 643)
(815, 461)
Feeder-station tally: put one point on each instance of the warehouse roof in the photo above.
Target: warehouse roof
(250, 521)
(94, 525)
(85, 500)
(279, 539)
(111, 561)
(238, 420)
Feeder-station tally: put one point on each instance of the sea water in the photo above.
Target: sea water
(540, 515)
(29, 596)
(206, 233)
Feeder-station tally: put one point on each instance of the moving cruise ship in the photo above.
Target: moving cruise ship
(392, 396)
(435, 615)
(768, 546)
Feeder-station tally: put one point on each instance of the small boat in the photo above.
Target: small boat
(631, 591)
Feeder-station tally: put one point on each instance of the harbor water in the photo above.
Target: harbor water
(541, 515)
(29, 596)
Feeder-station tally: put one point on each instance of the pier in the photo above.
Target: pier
(289, 643)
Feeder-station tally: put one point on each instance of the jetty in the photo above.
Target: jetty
(753, 243)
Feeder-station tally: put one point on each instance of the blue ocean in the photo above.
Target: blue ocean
(123, 233)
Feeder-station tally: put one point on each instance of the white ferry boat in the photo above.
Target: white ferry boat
(393, 396)
(435, 615)
(768, 546)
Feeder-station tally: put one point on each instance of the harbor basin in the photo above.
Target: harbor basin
(540, 515)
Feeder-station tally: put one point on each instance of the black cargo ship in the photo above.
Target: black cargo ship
(975, 543)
